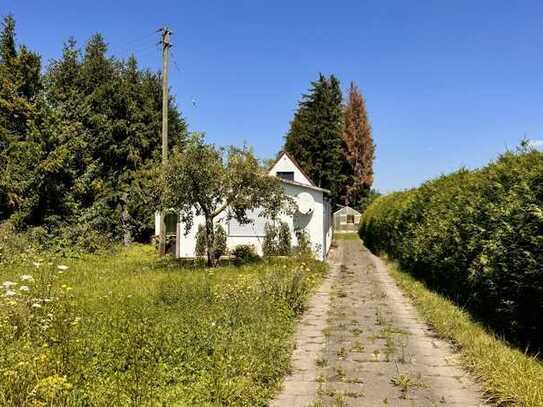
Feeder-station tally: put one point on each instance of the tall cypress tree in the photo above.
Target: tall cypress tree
(360, 147)
(315, 136)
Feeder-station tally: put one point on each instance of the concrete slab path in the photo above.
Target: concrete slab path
(361, 343)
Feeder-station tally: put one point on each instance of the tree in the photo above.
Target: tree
(20, 84)
(315, 136)
(201, 179)
(79, 143)
(360, 148)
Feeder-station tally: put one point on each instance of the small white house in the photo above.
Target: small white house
(346, 219)
(314, 215)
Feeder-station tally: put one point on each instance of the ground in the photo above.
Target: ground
(362, 343)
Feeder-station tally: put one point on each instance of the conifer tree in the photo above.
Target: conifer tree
(315, 136)
(360, 147)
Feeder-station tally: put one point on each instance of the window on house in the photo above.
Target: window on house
(288, 175)
(350, 218)
(171, 222)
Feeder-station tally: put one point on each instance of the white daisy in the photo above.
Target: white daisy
(10, 293)
(24, 288)
(62, 267)
(27, 277)
(8, 284)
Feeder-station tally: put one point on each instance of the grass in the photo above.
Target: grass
(132, 329)
(508, 375)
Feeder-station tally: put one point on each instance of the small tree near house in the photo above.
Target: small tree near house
(202, 179)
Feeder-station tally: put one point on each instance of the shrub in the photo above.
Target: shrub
(244, 253)
(477, 237)
(277, 240)
(283, 240)
(201, 241)
(304, 244)
(269, 245)
(219, 243)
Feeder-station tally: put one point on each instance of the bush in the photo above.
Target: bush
(283, 240)
(477, 236)
(304, 244)
(269, 245)
(244, 253)
(219, 243)
(277, 240)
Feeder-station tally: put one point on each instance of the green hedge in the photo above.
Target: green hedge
(476, 236)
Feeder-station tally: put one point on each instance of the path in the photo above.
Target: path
(370, 348)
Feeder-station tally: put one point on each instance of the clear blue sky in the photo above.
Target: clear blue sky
(448, 83)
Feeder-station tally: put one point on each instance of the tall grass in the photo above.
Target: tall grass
(131, 329)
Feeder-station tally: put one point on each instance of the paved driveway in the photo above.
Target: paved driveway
(361, 343)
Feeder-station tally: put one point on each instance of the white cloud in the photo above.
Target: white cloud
(535, 144)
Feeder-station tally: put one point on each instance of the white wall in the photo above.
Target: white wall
(285, 164)
(314, 224)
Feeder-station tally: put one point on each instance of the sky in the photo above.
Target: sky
(447, 83)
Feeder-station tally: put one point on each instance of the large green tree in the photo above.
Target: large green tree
(19, 87)
(315, 137)
(78, 144)
(360, 148)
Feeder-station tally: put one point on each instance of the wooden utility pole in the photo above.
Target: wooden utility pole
(166, 44)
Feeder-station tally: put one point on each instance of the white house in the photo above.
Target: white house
(314, 215)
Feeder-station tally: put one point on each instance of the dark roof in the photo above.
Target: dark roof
(281, 154)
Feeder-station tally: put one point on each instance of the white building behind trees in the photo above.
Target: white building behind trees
(314, 216)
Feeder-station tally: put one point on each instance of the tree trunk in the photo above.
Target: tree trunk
(210, 241)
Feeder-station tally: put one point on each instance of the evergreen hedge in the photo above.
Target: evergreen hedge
(476, 236)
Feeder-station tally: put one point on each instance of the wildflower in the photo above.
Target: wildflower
(8, 284)
(62, 267)
(24, 288)
(36, 264)
(36, 305)
(27, 277)
(10, 293)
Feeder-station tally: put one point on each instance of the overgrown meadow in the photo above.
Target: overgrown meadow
(132, 329)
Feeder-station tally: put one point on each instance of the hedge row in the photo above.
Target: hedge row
(476, 236)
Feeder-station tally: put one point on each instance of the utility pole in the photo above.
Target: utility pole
(166, 44)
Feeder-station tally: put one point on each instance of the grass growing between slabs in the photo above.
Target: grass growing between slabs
(130, 329)
(346, 236)
(508, 375)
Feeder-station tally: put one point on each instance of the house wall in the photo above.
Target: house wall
(285, 164)
(318, 225)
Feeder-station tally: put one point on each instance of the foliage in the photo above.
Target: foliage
(219, 243)
(475, 235)
(315, 137)
(131, 329)
(244, 254)
(284, 242)
(277, 240)
(79, 142)
(360, 149)
(201, 179)
(201, 241)
(304, 243)
(269, 244)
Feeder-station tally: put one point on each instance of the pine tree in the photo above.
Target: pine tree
(360, 147)
(315, 136)
(19, 87)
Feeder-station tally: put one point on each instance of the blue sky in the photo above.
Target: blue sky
(447, 83)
